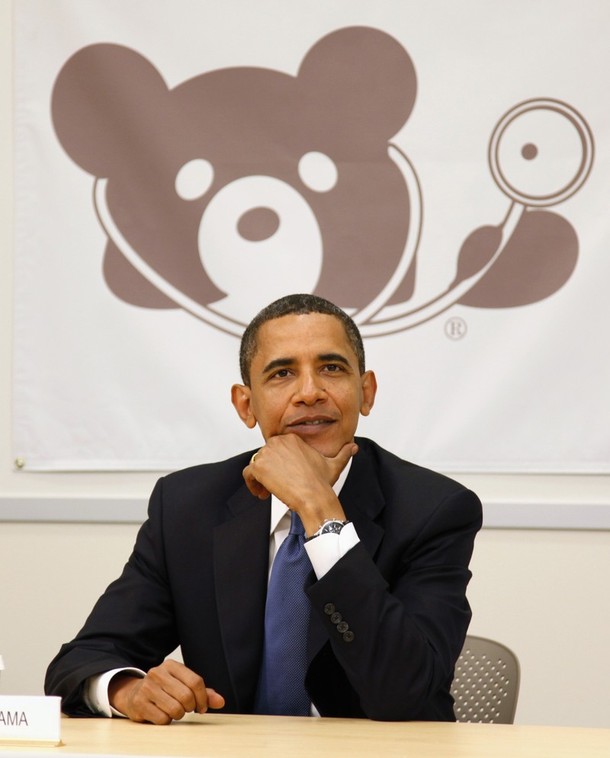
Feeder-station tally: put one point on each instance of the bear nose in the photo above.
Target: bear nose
(258, 224)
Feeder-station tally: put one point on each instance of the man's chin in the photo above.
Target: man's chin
(325, 440)
(327, 448)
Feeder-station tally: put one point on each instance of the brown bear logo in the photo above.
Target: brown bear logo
(243, 184)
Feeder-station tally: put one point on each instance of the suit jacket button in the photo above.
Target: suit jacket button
(342, 627)
(329, 609)
(348, 636)
(336, 617)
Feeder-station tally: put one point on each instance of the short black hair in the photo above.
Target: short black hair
(298, 304)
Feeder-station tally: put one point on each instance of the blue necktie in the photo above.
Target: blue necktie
(281, 688)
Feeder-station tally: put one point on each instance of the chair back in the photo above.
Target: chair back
(486, 683)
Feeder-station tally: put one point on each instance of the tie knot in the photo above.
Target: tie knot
(296, 525)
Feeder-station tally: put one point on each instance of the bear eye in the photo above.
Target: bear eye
(318, 171)
(194, 179)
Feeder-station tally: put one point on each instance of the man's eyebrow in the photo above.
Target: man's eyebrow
(334, 357)
(278, 363)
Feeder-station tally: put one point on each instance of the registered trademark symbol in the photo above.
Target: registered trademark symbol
(455, 328)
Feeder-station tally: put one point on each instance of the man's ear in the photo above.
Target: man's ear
(241, 399)
(369, 390)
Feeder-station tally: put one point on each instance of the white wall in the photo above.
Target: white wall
(544, 593)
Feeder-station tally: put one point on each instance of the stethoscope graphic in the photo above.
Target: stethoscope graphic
(540, 153)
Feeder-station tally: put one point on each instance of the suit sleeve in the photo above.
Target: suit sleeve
(131, 625)
(396, 624)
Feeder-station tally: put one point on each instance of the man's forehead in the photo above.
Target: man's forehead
(296, 334)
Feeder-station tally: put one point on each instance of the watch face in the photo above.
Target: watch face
(332, 526)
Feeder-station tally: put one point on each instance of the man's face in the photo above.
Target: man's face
(304, 380)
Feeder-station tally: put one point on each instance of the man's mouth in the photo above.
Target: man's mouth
(310, 423)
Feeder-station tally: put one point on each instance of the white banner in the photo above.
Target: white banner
(440, 170)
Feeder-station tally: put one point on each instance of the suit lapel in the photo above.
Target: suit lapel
(241, 561)
(362, 500)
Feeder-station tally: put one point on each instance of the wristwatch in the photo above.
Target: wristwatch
(329, 526)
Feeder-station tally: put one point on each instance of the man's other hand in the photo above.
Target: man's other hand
(165, 694)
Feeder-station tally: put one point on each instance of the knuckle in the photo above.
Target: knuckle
(194, 681)
(153, 673)
(176, 711)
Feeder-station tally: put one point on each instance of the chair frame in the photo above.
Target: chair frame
(486, 682)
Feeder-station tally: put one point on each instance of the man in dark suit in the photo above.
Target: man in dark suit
(389, 543)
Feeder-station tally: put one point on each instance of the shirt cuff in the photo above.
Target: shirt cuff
(324, 551)
(96, 691)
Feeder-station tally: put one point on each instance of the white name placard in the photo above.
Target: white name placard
(30, 719)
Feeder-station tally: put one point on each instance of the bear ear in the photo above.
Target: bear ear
(364, 76)
(105, 99)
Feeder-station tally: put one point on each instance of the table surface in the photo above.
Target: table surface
(220, 735)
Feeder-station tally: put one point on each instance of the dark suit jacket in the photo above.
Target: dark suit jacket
(198, 577)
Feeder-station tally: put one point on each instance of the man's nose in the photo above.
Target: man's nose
(310, 389)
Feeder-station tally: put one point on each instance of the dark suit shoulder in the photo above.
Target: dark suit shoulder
(392, 467)
(218, 479)
(402, 481)
(201, 492)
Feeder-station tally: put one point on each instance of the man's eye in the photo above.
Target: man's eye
(281, 374)
(333, 368)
